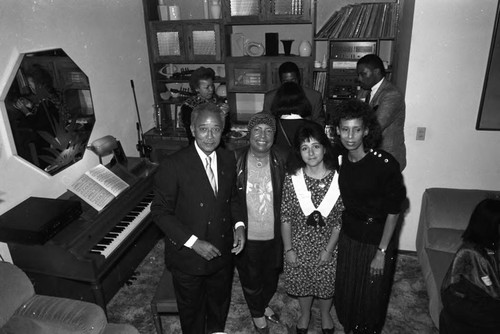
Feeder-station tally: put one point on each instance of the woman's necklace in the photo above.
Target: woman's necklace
(260, 162)
(322, 183)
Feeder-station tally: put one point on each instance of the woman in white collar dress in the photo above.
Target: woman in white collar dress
(311, 219)
(373, 193)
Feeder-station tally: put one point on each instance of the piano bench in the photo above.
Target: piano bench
(164, 300)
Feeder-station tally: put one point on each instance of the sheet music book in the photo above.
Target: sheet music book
(98, 187)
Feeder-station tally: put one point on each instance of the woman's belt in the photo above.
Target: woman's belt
(360, 216)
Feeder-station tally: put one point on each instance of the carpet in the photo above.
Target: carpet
(407, 313)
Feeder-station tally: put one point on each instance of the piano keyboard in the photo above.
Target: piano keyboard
(112, 240)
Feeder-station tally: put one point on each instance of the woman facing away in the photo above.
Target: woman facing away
(471, 288)
(372, 190)
(311, 210)
(291, 107)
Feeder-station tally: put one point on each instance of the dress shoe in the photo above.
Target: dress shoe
(300, 330)
(328, 330)
(261, 330)
(274, 318)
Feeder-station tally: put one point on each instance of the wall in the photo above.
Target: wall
(449, 52)
(107, 39)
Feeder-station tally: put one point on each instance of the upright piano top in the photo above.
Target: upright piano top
(137, 172)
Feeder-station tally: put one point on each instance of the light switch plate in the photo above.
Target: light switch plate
(421, 133)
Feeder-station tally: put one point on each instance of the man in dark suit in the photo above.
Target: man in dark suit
(198, 208)
(289, 71)
(388, 103)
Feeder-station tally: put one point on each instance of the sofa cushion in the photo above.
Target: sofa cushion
(15, 289)
(444, 239)
(53, 315)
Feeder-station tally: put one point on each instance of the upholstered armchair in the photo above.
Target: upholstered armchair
(22, 311)
(444, 215)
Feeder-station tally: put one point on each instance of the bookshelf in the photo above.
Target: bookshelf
(351, 30)
(361, 21)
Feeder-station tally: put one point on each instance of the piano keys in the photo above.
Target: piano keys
(92, 257)
(126, 225)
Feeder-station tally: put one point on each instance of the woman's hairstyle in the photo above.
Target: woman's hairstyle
(304, 133)
(290, 99)
(201, 73)
(356, 109)
(483, 224)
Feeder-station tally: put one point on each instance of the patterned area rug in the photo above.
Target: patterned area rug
(407, 312)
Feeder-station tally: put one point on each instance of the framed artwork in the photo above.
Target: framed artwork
(489, 109)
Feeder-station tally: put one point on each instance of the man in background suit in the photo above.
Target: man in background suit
(196, 206)
(387, 102)
(289, 71)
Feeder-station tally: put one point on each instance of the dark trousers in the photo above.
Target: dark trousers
(203, 301)
(259, 274)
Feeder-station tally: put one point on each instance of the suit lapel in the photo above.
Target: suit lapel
(374, 99)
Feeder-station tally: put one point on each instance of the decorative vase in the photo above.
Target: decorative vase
(305, 48)
(287, 46)
(215, 9)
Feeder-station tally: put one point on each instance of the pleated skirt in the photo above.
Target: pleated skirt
(361, 300)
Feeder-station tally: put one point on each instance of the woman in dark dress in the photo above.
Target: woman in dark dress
(373, 192)
(471, 288)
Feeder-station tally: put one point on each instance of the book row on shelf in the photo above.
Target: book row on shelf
(319, 82)
(366, 20)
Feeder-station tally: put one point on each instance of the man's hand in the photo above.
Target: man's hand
(239, 240)
(206, 250)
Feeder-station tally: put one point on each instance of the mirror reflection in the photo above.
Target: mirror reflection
(50, 110)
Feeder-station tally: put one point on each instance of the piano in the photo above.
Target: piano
(95, 255)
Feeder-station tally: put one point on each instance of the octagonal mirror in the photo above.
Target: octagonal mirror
(50, 110)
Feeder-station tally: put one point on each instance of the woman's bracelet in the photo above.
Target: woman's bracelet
(290, 250)
(382, 250)
(326, 250)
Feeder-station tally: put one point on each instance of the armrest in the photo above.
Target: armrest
(54, 315)
(15, 290)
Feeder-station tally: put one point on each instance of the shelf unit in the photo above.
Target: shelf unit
(357, 37)
(243, 12)
(187, 44)
(254, 76)
(245, 75)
